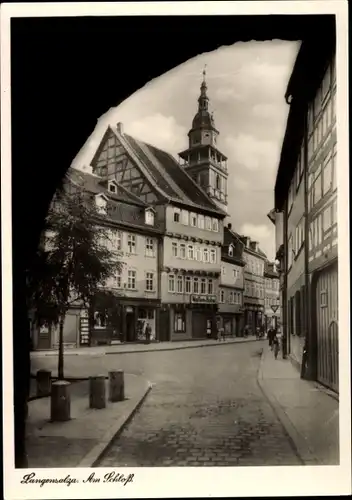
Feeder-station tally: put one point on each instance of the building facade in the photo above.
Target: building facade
(306, 196)
(272, 307)
(190, 215)
(231, 287)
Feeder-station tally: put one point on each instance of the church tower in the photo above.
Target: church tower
(202, 160)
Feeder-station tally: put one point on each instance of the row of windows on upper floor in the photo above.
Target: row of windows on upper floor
(253, 265)
(272, 301)
(321, 228)
(117, 281)
(272, 284)
(116, 240)
(235, 273)
(323, 179)
(254, 290)
(230, 297)
(188, 285)
(103, 206)
(195, 220)
(194, 252)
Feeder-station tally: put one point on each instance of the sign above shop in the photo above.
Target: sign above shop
(203, 299)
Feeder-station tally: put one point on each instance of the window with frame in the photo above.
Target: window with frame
(290, 248)
(327, 174)
(203, 286)
(180, 283)
(171, 283)
(231, 251)
(195, 285)
(206, 255)
(131, 243)
(210, 286)
(182, 250)
(222, 296)
(193, 218)
(180, 322)
(213, 255)
(118, 279)
(149, 247)
(185, 217)
(188, 287)
(174, 249)
(327, 219)
(177, 214)
(198, 254)
(149, 282)
(215, 225)
(201, 221)
(190, 252)
(311, 236)
(231, 298)
(131, 279)
(149, 217)
(208, 223)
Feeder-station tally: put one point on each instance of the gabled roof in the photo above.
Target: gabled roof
(171, 180)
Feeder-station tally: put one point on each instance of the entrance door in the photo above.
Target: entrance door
(130, 327)
(164, 325)
(327, 328)
(199, 325)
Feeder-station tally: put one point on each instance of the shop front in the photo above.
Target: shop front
(254, 317)
(128, 322)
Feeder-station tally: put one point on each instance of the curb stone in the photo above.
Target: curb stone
(297, 441)
(105, 353)
(92, 458)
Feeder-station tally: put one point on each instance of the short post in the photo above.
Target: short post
(60, 401)
(97, 392)
(116, 386)
(43, 382)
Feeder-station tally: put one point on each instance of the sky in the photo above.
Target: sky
(246, 87)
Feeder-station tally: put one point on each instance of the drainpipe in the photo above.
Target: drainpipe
(284, 291)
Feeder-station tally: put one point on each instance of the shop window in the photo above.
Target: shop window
(180, 322)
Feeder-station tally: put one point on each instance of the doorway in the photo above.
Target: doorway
(130, 327)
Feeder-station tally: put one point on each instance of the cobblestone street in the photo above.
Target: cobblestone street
(206, 408)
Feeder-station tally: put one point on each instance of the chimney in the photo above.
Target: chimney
(254, 246)
(229, 225)
(119, 127)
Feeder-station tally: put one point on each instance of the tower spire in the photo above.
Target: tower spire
(203, 98)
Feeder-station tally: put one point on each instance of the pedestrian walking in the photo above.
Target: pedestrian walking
(271, 334)
(222, 331)
(276, 346)
(148, 333)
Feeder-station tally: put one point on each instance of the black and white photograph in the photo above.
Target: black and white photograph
(175, 249)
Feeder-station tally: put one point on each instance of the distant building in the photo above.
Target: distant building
(272, 308)
(231, 284)
(253, 300)
(305, 213)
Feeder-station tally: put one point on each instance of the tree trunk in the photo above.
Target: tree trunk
(60, 369)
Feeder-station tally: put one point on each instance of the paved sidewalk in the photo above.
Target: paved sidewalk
(134, 348)
(308, 412)
(80, 441)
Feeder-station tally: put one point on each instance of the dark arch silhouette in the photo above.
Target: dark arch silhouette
(67, 72)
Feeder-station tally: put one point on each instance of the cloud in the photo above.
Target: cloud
(252, 153)
(159, 130)
(256, 232)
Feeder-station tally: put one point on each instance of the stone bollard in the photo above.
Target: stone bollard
(116, 386)
(43, 382)
(60, 401)
(97, 392)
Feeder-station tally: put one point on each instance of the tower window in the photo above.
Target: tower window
(217, 181)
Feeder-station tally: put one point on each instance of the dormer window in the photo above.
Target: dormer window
(112, 187)
(101, 203)
(231, 250)
(149, 217)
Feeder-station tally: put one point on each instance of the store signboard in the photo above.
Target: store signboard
(203, 299)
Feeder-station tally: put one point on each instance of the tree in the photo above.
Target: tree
(73, 261)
